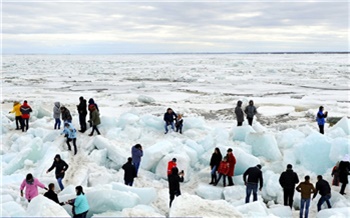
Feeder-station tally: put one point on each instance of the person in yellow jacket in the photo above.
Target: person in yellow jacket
(17, 110)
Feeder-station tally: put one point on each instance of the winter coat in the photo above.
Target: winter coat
(92, 102)
(254, 176)
(70, 131)
(82, 107)
(288, 179)
(250, 110)
(169, 118)
(174, 181)
(179, 122)
(31, 189)
(224, 168)
(344, 168)
(239, 113)
(94, 116)
(335, 174)
(136, 154)
(57, 111)
(215, 160)
(16, 109)
(306, 189)
(81, 204)
(232, 161)
(59, 166)
(171, 165)
(320, 118)
(26, 110)
(323, 187)
(66, 115)
(129, 172)
(52, 196)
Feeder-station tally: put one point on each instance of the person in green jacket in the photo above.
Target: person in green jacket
(94, 119)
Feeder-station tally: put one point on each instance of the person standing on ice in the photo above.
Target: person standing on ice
(66, 116)
(215, 160)
(71, 134)
(174, 183)
(31, 184)
(306, 189)
(323, 187)
(82, 114)
(169, 118)
(136, 154)
(57, 115)
(18, 114)
(50, 194)
(288, 181)
(129, 172)
(250, 111)
(344, 172)
(335, 174)
(92, 102)
(80, 203)
(223, 171)
(232, 162)
(254, 177)
(25, 110)
(239, 113)
(61, 167)
(179, 123)
(171, 165)
(94, 119)
(321, 119)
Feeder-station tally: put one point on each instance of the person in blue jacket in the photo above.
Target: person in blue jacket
(169, 118)
(321, 119)
(136, 154)
(80, 203)
(71, 134)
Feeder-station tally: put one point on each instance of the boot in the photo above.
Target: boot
(212, 180)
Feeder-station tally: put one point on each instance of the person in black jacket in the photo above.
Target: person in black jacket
(169, 118)
(254, 177)
(288, 180)
(129, 172)
(179, 123)
(174, 183)
(344, 169)
(66, 116)
(214, 165)
(50, 194)
(61, 167)
(82, 114)
(239, 113)
(324, 188)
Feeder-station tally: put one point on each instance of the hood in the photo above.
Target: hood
(57, 156)
(346, 158)
(239, 103)
(25, 104)
(57, 104)
(91, 101)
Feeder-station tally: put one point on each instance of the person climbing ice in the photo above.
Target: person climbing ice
(71, 134)
(60, 168)
(51, 194)
(80, 203)
(30, 185)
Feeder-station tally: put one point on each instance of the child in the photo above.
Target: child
(179, 123)
(71, 134)
(335, 174)
(223, 170)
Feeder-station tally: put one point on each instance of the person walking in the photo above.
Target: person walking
(288, 181)
(61, 167)
(31, 184)
(215, 160)
(25, 110)
(129, 172)
(232, 162)
(136, 154)
(94, 119)
(250, 111)
(50, 194)
(335, 174)
(171, 165)
(18, 114)
(80, 203)
(92, 102)
(57, 115)
(71, 134)
(66, 116)
(254, 177)
(324, 188)
(223, 171)
(82, 114)
(169, 118)
(344, 172)
(239, 113)
(306, 188)
(321, 119)
(179, 123)
(174, 183)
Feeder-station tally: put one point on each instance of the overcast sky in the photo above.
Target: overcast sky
(155, 27)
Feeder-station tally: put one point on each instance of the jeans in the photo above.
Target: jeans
(321, 128)
(168, 124)
(322, 200)
(250, 120)
(251, 187)
(57, 123)
(288, 194)
(129, 183)
(59, 180)
(94, 127)
(82, 215)
(136, 165)
(304, 203)
(82, 122)
(213, 171)
(224, 178)
(25, 123)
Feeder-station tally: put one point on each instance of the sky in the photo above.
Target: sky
(111, 27)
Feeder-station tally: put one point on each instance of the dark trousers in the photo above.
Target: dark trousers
(288, 194)
(94, 127)
(25, 123)
(179, 128)
(230, 181)
(223, 177)
(239, 123)
(82, 122)
(172, 196)
(322, 200)
(129, 183)
(81, 215)
(342, 188)
(74, 144)
(250, 120)
(321, 128)
(19, 122)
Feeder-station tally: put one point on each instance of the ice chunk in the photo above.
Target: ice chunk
(184, 206)
(271, 188)
(146, 195)
(209, 192)
(344, 123)
(194, 123)
(244, 161)
(339, 147)
(240, 132)
(271, 111)
(140, 211)
(108, 122)
(12, 209)
(235, 193)
(152, 122)
(197, 147)
(127, 119)
(289, 137)
(6, 198)
(99, 156)
(41, 206)
(336, 132)
(99, 178)
(264, 144)
(183, 163)
(154, 153)
(253, 209)
(281, 211)
(334, 213)
(145, 99)
(51, 136)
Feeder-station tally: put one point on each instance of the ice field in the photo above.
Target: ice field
(134, 91)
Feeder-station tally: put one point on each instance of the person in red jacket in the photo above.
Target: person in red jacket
(224, 167)
(171, 165)
(232, 161)
(25, 110)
